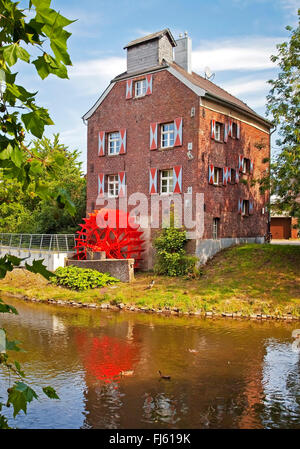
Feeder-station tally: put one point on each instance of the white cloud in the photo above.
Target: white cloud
(235, 54)
(92, 76)
(239, 86)
(291, 5)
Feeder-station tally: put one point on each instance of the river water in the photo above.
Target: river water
(224, 373)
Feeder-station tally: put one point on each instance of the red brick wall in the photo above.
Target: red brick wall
(222, 201)
(171, 99)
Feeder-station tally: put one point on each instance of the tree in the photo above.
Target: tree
(41, 30)
(18, 109)
(283, 103)
(26, 212)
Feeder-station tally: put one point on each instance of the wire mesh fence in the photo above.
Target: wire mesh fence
(45, 242)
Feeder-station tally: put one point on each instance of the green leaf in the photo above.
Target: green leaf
(35, 121)
(40, 4)
(42, 67)
(36, 168)
(23, 54)
(42, 191)
(6, 308)
(17, 157)
(10, 54)
(12, 345)
(16, 261)
(59, 48)
(19, 396)
(50, 392)
(5, 266)
(19, 370)
(38, 267)
(6, 152)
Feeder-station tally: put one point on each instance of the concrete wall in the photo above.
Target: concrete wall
(52, 259)
(122, 269)
(206, 249)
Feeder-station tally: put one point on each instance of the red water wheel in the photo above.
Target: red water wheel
(112, 231)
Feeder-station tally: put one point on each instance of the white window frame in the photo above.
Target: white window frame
(114, 143)
(140, 88)
(216, 175)
(167, 135)
(112, 186)
(166, 181)
(218, 130)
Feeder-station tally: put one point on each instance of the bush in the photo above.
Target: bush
(81, 278)
(171, 257)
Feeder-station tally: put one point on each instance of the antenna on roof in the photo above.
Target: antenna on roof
(208, 74)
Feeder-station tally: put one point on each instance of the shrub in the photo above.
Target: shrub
(81, 278)
(171, 257)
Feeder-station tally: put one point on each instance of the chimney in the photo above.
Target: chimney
(183, 52)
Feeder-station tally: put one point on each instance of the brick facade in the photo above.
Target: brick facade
(170, 99)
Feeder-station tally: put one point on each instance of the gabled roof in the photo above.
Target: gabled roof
(201, 86)
(152, 36)
(211, 87)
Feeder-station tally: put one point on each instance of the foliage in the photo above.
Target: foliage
(284, 106)
(171, 258)
(42, 30)
(81, 278)
(26, 212)
(19, 394)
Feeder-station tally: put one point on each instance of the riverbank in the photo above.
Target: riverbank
(250, 281)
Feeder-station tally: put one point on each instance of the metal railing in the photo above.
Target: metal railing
(45, 242)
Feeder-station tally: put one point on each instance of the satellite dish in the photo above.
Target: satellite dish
(208, 73)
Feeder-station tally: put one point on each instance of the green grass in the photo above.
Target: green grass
(247, 278)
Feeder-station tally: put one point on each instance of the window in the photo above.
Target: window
(218, 131)
(216, 227)
(113, 186)
(217, 176)
(234, 130)
(245, 209)
(166, 181)
(167, 135)
(114, 143)
(140, 88)
(232, 181)
(246, 165)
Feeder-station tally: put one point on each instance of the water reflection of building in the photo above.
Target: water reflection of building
(281, 382)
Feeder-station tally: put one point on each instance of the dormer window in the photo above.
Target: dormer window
(140, 88)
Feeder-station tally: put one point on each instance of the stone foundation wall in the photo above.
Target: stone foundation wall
(206, 249)
(122, 269)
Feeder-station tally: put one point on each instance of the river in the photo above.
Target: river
(224, 373)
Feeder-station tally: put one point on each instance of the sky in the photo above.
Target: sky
(234, 38)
